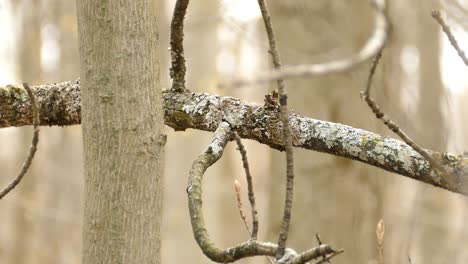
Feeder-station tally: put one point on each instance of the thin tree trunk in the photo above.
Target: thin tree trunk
(314, 31)
(122, 131)
(29, 70)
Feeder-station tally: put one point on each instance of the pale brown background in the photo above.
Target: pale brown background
(340, 199)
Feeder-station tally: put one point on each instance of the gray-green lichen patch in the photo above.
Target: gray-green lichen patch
(60, 104)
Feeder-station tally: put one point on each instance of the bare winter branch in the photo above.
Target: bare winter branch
(60, 105)
(250, 248)
(284, 113)
(373, 45)
(446, 178)
(453, 41)
(32, 148)
(250, 190)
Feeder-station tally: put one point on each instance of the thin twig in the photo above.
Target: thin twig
(380, 232)
(374, 44)
(453, 41)
(32, 148)
(327, 258)
(250, 189)
(237, 188)
(446, 177)
(319, 241)
(284, 113)
(178, 68)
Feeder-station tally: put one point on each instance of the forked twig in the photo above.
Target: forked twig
(251, 194)
(178, 68)
(32, 148)
(250, 248)
(374, 44)
(284, 113)
(446, 178)
(453, 41)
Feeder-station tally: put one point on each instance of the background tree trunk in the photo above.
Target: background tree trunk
(122, 126)
(315, 32)
(29, 70)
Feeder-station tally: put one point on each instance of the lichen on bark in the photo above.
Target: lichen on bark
(60, 104)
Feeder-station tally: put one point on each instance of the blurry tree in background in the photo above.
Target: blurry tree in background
(336, 197)
(334, 29)
(29, 69)
(46, 212)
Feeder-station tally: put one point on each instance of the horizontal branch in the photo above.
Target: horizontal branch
(60, 105)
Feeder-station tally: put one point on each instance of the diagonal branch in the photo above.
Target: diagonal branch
(453, 41)
(59, 105)
(446, 177)
(32, 148)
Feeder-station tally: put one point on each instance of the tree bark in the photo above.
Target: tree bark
(60, 105)
(122, 131)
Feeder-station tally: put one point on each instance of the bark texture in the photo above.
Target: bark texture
(122, 131)
(204, 111)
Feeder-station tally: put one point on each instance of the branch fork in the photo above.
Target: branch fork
(250, 248)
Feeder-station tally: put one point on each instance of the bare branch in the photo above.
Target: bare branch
(251, 194)
(32, 148)
(373, 45)
(283, 100)
(178, 68)
(250, 248)
(453, 41)
(330, 256)
(59, 105)
(446, 177)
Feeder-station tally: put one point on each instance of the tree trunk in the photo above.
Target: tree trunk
(122, 125)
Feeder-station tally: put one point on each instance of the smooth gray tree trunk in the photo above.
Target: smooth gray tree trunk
(122, 123)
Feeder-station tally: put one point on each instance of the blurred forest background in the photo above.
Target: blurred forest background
(421, 84)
